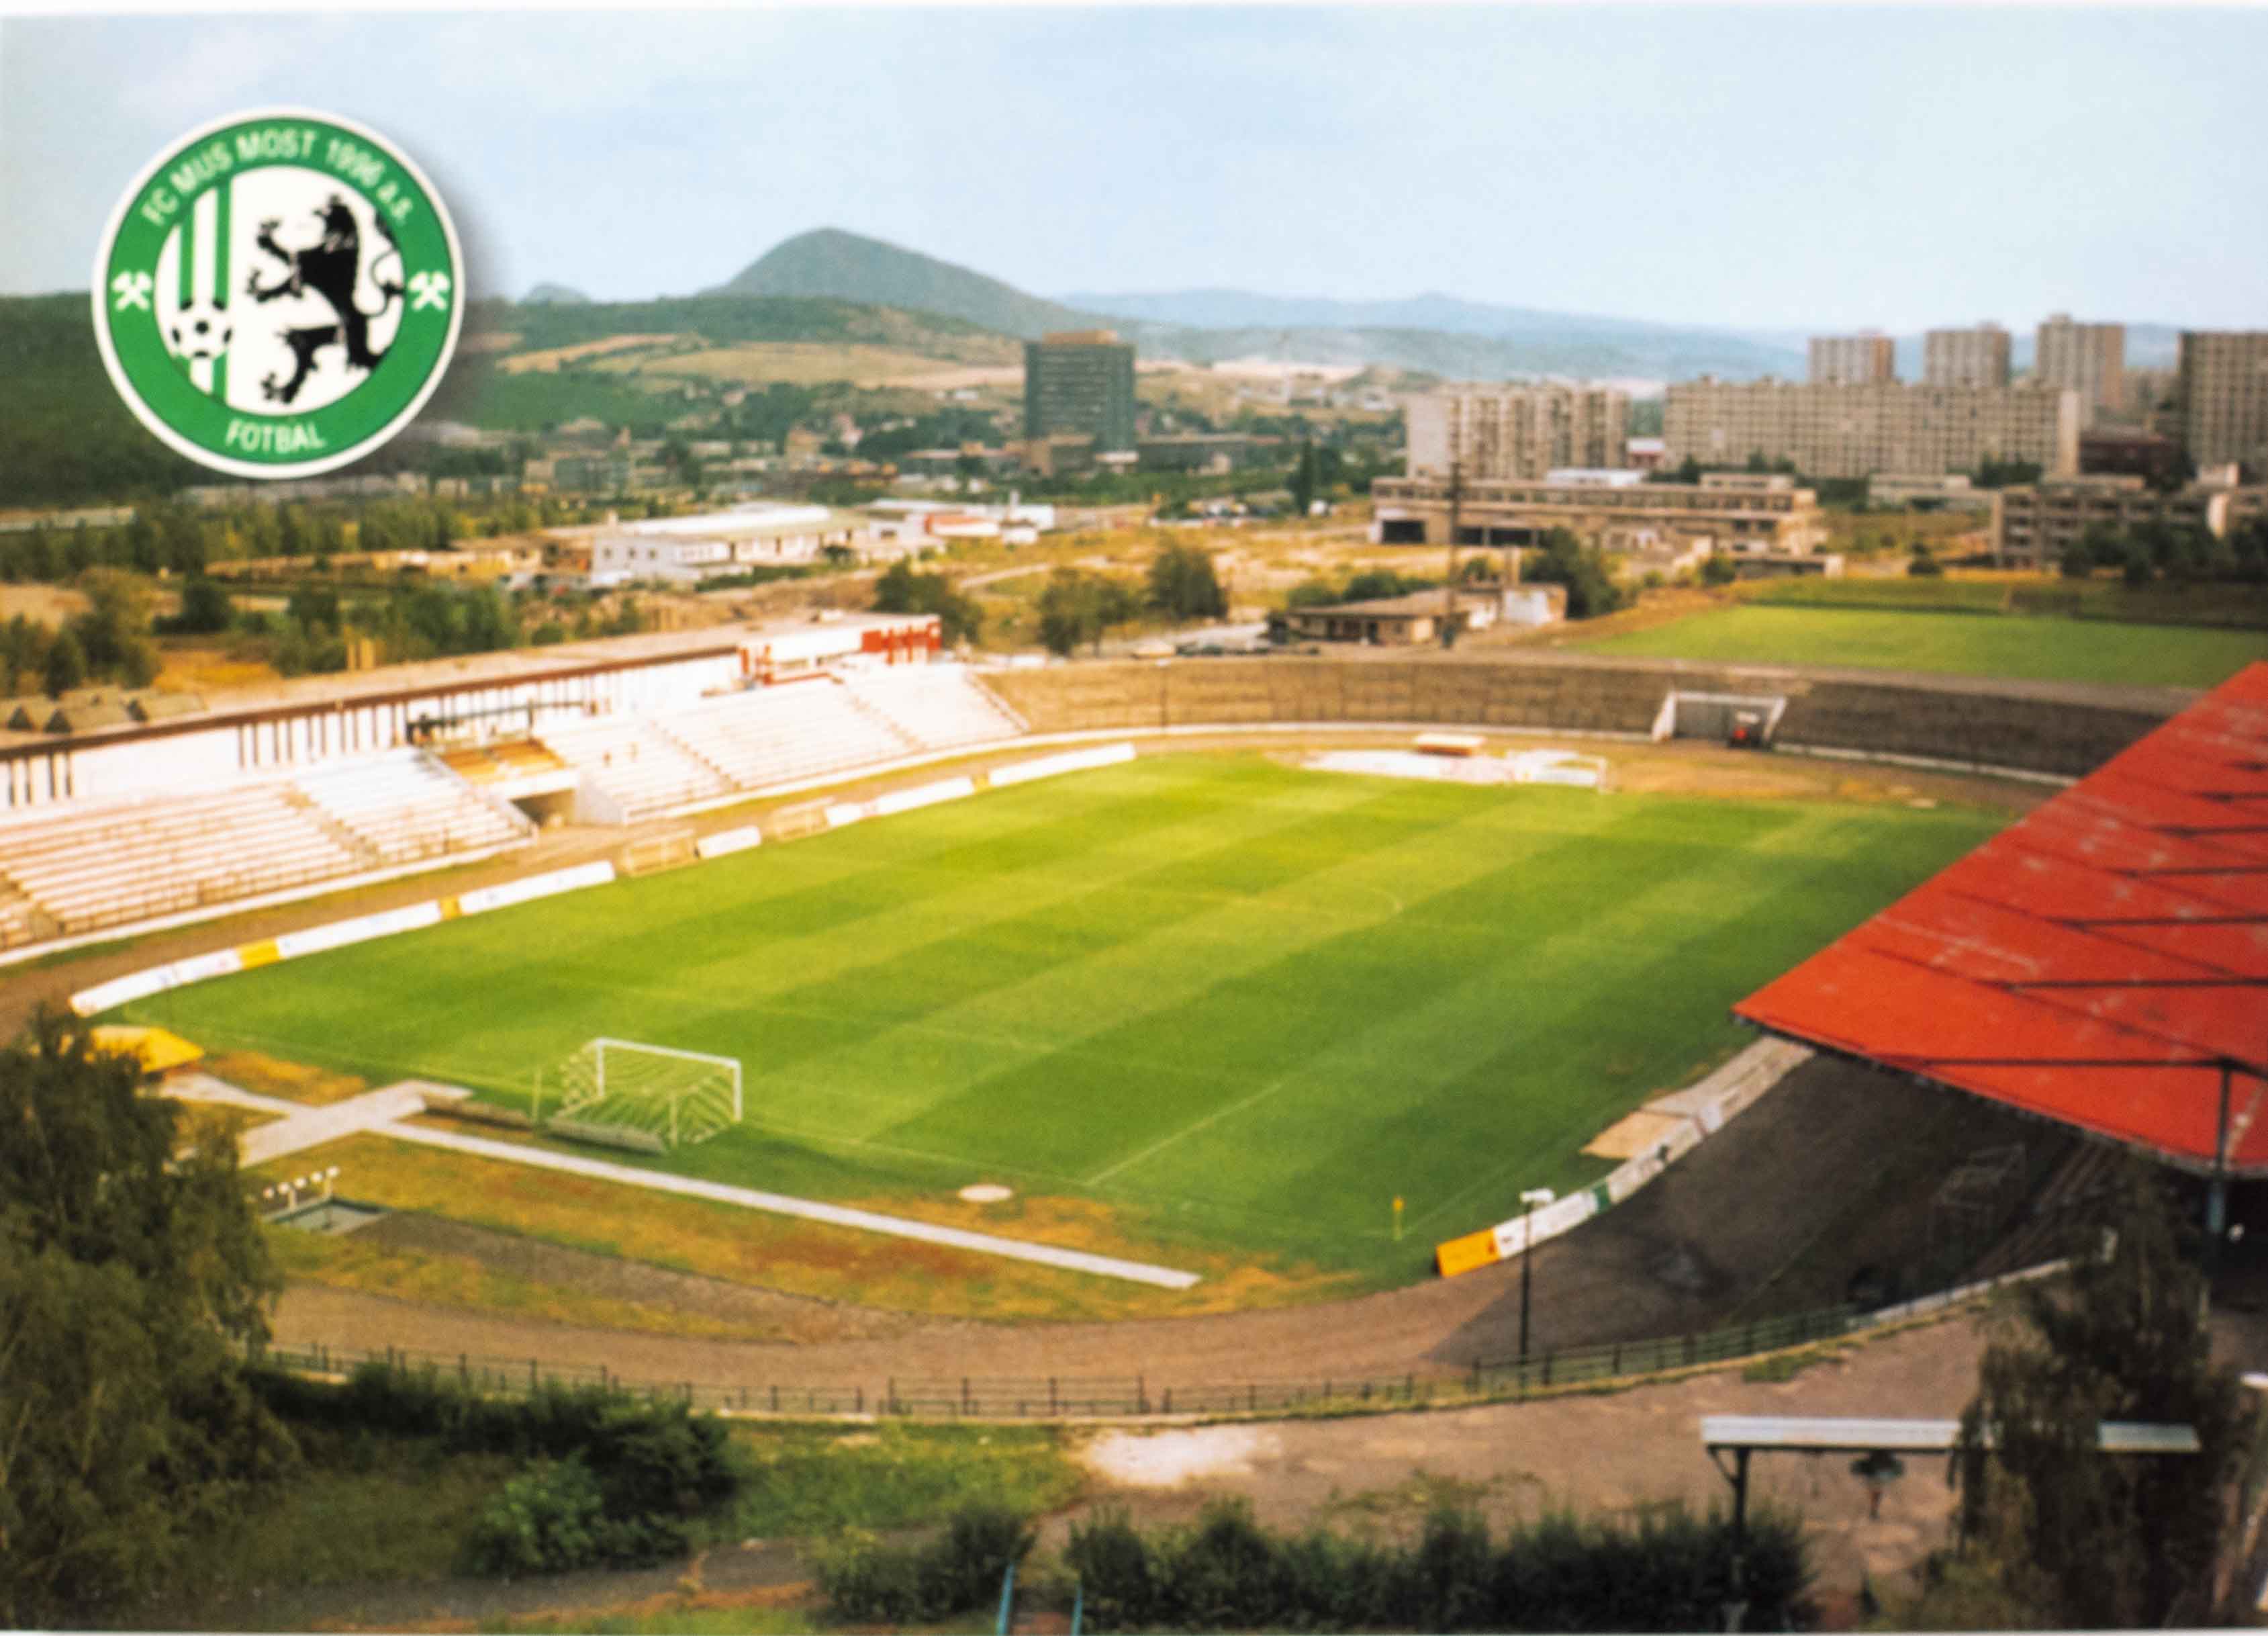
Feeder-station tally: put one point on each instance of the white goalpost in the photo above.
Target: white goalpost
(677, 1096)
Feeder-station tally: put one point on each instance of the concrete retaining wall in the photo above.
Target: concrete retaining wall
(2063, 731)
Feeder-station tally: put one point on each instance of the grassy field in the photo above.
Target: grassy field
(1978, 645)
(1216, 1001)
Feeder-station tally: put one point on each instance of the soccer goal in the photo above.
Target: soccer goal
(677, 1096)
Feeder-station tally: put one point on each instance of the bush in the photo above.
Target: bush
(1671, 1571)
(871, 1582)
(956, 1573)
(653, 1468)
(546, 1520)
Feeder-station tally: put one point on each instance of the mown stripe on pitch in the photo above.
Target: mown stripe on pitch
(1267, 1020)
(1421, 1015)
(1057, 1001)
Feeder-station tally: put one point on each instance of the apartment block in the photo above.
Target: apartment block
(1861, 360)
(2221, 386)
(1080, 382)
(2088, 358)
(1517, 432)
(1965, 357)
(1855, 431)
(2033, 526)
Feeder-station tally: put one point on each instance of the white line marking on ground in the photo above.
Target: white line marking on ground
(808, 1210)
(1167, 1140)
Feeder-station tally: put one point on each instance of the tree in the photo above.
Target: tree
(901, 590)
(2082, 1538)
(1565, 560)
(1924, 565)
(1078, 606)
(205, 608)
(113, 633)
(1183, 586)
(1304, 480)
(1998, 474)
(65, 667)
(133, 1279)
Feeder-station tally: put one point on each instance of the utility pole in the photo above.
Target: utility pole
(1456, 527)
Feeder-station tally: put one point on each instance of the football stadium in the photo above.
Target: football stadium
(804, 958)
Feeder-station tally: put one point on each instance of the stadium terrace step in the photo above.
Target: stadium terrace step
(788, 734)
(401, 809)
(937, 707)
(641, 769)
(93, 868)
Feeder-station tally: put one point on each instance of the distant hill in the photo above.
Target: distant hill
(1442, 332)
(66, 436)
(846, 267)
(553, 295)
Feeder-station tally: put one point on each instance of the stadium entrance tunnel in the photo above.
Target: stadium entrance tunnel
(328, 1215)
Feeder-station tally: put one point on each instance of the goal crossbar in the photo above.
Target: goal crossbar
(651, 1087)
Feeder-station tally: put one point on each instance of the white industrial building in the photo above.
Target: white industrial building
(690, 549)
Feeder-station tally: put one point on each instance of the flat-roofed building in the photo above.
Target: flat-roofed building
(1080, 382)
(1954, 490)
(1409, 620)
(2128, 451)
(2034, 525)
(1204, 451)
(690, 549)
(1735, 512)
(2089, 358)
(1860, 360)
(1517, 432)
(1965, 357)
(1855, 431)
(2222, 388)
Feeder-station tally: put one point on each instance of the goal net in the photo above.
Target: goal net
(676, 1096)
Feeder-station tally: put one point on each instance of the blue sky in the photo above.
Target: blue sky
(1779, 167)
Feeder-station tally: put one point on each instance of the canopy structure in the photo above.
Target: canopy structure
(2103, 963)
(1815, 1436)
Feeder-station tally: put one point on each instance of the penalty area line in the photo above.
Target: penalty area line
(808, 1210)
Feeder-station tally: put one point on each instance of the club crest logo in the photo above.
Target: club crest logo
(278, 294)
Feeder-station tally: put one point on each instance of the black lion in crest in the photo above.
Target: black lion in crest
(327, 269)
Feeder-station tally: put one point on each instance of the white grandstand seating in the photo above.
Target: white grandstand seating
(783, 735)
(107, 865)
(403, 808)
(937, 707)
(117, 863)
(766, 738)
(645, 770)
(18, 917)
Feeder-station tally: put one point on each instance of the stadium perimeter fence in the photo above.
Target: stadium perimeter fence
(1041, 1398)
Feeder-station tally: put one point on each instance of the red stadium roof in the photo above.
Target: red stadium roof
(2103, 963)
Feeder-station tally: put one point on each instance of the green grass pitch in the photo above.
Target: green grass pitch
(1244, 1004)
(1977, 645)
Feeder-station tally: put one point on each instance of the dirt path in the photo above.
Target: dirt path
(1686, 1252)
(1606, 1454)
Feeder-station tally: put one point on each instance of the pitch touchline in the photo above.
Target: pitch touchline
(808, 1210)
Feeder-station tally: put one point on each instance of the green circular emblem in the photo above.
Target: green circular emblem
(278, 294)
